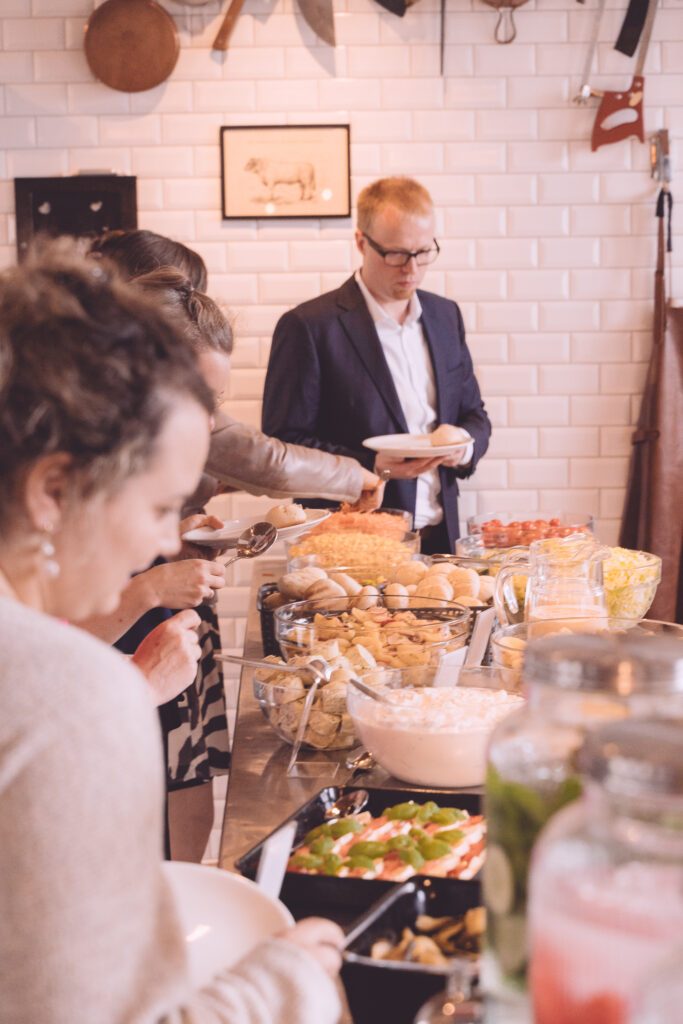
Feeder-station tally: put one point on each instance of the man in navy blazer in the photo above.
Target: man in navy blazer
(379, 356)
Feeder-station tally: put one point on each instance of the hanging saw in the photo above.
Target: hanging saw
(620, 114)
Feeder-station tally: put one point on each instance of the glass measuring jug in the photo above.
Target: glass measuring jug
(563, 580)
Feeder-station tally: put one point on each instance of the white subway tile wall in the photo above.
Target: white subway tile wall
(548, 247)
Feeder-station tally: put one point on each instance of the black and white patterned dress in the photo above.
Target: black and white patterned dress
(198, 739)
(194, 724)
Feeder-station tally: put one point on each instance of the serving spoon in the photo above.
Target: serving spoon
(316, 666)
(347, 804)
(359, 760)
(250, 543)
(253, 541)
(369, 691)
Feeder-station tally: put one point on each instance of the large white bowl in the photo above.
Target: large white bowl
(224, 916)
(436, 739)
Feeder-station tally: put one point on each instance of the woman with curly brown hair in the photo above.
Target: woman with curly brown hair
(104, 426)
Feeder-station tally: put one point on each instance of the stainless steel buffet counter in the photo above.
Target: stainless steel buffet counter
(260, 793)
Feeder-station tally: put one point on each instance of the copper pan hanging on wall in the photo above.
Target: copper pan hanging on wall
(131, 45)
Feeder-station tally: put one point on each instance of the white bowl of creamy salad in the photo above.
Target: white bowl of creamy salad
(429, 735)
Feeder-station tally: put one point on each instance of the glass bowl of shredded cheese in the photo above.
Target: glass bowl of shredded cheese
(631, 579)
(349, 547)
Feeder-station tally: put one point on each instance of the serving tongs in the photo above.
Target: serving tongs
(317, 670)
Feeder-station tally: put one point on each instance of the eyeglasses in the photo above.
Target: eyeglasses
(400, 257)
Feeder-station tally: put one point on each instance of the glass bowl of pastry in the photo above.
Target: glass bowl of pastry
(508, 645)
(369, 631)
(282, 699)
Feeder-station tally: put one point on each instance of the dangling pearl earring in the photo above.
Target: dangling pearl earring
(51, 566)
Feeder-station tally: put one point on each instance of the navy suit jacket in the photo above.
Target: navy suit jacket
(329, 386)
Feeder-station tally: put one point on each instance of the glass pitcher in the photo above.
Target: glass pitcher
(564, 581)
(606, 882)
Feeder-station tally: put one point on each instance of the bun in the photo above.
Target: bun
(434, 587)
(367, 598)
(409, 573)
(396, 596)
(349, 585)
(464, 580)
(325, 589)
(295, 584)
(447, 433)
(281, 516)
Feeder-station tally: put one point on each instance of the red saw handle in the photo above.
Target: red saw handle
(614, 102)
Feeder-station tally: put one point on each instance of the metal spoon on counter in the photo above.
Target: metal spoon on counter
(360, 760)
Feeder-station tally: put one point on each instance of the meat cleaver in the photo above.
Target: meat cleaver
(319, 14)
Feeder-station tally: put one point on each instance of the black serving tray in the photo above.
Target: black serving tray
(344, 898)
(400, 989)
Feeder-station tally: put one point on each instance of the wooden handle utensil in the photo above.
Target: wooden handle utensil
(229, 21)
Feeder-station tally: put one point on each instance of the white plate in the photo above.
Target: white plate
(227, 536)
(222, 915)
(411, 446)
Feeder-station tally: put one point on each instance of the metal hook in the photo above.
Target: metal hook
(506, 21)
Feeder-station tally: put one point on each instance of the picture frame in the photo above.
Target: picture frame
(285, 171)
(79, 205)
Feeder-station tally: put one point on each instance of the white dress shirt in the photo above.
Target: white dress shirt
(407, 353)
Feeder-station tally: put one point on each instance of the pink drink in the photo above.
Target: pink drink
(597, 933)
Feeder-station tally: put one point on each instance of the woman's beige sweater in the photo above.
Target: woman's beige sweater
(88, 929)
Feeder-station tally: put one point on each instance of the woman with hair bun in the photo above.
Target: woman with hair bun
(194, 724)
(242, 457)
(104, 427)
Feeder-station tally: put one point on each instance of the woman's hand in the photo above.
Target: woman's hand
(405, 469)
(323, 939)
(372, 494)
(183, 584)
(197, 522)
(168, 656)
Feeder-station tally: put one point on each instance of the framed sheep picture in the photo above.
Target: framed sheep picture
(277, 171)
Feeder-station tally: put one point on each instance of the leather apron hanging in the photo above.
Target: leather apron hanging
(653, 509)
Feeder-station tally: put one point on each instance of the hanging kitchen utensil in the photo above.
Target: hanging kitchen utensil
(655, 484)
(319, 15)
(586, 90)
(229, 21)
(506, 30)
(611, 125)
(632, 27)
(131, 45)
(442, 38)
(398, 7)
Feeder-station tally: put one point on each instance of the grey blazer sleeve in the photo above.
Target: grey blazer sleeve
(244, 458)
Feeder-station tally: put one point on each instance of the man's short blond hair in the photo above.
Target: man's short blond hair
(404, 193)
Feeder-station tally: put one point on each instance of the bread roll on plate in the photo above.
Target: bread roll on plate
(447, 433)
(281, 516)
